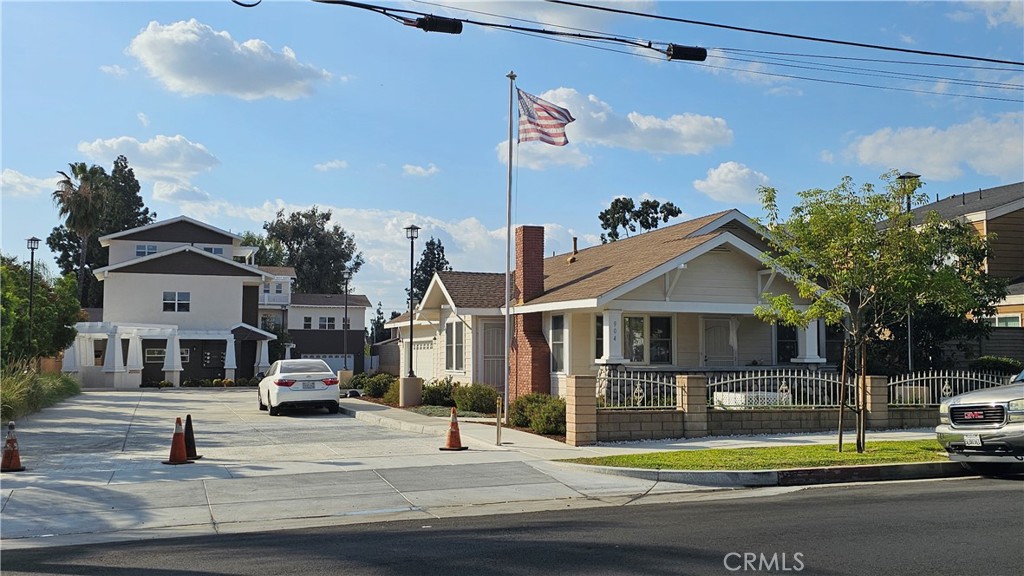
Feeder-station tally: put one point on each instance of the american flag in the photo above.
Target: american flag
(542, 120)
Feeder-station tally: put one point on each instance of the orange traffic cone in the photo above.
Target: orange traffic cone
(12, 458)
(190, 440)
(178, 454)
(454, 441)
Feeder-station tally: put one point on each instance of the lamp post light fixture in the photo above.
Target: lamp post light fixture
(346, 275)
(906, 179)
(33, 245)
(412, 232)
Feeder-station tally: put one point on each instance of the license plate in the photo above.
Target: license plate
(972, 440)
(312, 386)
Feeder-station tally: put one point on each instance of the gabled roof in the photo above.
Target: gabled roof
(960, 205)
(354, 300)
(148, 264)
(600, 270)
(105, 240)
(474, 289)
(279, 270)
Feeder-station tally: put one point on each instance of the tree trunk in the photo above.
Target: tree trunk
(862, 399)
(842, 393)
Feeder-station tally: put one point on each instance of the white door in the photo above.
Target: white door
(717, 350)
(423, 359)
(493, 372)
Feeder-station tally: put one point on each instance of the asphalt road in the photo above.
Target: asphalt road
(961, 526)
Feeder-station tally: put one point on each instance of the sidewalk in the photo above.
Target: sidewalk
(102, 493)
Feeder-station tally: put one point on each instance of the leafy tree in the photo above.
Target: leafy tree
(623, 213)
(858, 258)
(123, 209)
(271, 252)
(55, 311)
(80, 199)
(318, 252)
(377, 331)
(432, 260)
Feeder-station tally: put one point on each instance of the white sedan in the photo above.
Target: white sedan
(299, 383)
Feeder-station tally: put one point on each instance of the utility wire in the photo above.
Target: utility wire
(783, 34)
(876, 60)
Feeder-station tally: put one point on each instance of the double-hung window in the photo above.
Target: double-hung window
(307, 322)
(647, 339)
(785, 344)
(558, 343)
(327, 323)
(454, 347)
(177, 301)
(599, 337)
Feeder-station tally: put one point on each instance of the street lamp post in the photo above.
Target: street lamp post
(412, 232)
(346, 275)
(906, 178)
(33, 245)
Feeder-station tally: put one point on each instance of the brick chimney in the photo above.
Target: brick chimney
(530, 358)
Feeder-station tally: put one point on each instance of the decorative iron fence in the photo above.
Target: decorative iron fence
(636, 389)
(932, 387)
(787, 388)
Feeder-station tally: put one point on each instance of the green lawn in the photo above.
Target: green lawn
(777, 457)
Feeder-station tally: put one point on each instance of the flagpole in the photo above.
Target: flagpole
(508, 245)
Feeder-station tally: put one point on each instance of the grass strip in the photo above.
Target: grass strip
(777, 458)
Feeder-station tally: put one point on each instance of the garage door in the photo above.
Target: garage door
(423, 359)
(335, 361)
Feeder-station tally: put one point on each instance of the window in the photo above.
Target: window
(633, 338)
(278, 289)
(661, 340)
(834, 338)
(214, 250)
(785, 344)
(157, 355)
(647, 340)
(558, 343)
(307, 322)
(184, 355)
(327, 322)
(177, 301)
(144, 249)
(346, 323)
(1003, 321)
(599, 336)
(266, 288)
(454, 351)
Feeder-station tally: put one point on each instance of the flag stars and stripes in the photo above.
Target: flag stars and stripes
(541, 120)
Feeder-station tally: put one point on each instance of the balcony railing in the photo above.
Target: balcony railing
(276, 299)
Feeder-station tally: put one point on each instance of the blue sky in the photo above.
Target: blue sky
(228, 114)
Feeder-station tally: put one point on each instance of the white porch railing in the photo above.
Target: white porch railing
(932, 387)
(277, 299)
(787, 388)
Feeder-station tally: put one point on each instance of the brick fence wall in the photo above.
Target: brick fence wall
(615, 425)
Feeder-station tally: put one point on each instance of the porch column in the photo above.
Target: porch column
(230, 364)
(134, 363)
(113, 361)
(69, 363)
(263, 364)
(172, 360)
(807, 345)
(612, 336)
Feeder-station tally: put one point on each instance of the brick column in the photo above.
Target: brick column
(581, 410)
(692, 399)
(878, 402)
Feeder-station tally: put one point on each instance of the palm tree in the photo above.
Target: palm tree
(79, 199)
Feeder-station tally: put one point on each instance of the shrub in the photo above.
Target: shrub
(519, 413)
(227, 382)
(439, 392)
(359, 380)
(549, 418)
(207, 383)
(475, 398)
(25, 392)
(165, 384)
(149, 384)
(391, 396)
(218, 382)
(998, 364)
(378, 385)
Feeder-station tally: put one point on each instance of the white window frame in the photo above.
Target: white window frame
(455, 346)
(278, 288)
(144, 250)
(560, 342)
(598, 326)
(180, 301)
(215, 250)
(158, 355)
(307, 322)
(326, 323)
(646, 361)
(993, 321)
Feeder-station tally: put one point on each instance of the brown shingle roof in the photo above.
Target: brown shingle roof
(330, 300)
(279, 270)
(600, 269)
(475, 289)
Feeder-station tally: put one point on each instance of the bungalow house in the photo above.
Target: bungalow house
(676, 299)
(183, 300)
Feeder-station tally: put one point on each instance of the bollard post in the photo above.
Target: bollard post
(498, 419)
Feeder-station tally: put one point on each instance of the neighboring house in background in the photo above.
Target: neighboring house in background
(675, 299)
(317, 328)
(184, 301)
(999, 213)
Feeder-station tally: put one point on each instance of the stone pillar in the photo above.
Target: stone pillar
(263, 360)
(807, 344)
(172, 360)
(877, 402)
(134, 363)
(113, 361)
(230, 363)
(612, 337)
(580, 410)
(692, 399)
(69, 364)
(410, 391)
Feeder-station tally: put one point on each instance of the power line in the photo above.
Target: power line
(783, 34)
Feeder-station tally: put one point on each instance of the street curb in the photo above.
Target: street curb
(385, 422)
(788, 477)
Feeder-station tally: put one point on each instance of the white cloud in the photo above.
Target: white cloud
(907, 39)
(997, 13)
(540, 156)
(988, 147)
(552, 15)
(169, 161)
(331, 165)
(420, 171)
(192, 58)
(722, 63)
(960, 16)
(827, 157)
(143, 119)
(732, 182)
(14, 184)
(113, 70)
